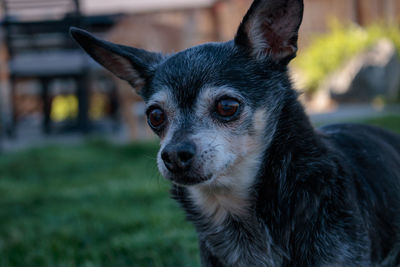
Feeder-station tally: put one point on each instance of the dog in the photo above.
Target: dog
(260, 184)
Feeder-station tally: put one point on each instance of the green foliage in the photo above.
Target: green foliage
(328, 52)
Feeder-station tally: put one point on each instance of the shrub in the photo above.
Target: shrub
(327, 52)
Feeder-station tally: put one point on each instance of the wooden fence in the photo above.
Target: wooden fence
(318, 14)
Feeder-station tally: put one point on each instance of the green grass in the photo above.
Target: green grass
(90, 205)
(391, 122)
(94, 205)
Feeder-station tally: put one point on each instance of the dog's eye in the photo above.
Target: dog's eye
(227, 107)
(156, 117)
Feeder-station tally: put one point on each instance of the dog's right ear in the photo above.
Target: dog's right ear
(270, 29)
(134, 65)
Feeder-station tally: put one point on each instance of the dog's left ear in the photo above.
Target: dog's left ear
(134, 65)
(270, 29)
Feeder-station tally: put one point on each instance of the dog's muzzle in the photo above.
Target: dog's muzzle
(178, 158)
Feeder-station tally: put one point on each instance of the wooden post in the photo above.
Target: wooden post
(216, 25)
(358, 14)
(46, 105)
(83, 102)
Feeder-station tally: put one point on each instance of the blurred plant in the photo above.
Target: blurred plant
(329, 51)
(64, 107)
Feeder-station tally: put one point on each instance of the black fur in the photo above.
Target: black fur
(322, 197)
(327, 197)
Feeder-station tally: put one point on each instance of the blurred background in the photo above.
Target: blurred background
(78, 178)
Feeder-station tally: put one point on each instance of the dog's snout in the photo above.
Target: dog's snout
(178, 157)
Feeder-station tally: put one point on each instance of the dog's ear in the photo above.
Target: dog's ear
(134, 65)
(270, 29)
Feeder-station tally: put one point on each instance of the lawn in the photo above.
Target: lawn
(90, 205)
(94, 204)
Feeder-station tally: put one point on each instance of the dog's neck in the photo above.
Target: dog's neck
(218, 202)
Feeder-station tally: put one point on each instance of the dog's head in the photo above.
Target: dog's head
(214, 106)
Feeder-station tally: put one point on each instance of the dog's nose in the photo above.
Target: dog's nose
(178, 157)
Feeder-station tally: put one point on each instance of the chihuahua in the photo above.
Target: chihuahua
(260, 184)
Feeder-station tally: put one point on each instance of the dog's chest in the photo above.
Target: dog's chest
(228, 232)
(237, 243)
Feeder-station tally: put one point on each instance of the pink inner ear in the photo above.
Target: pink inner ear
(273, 28)
(279, 41)
(280, 31)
